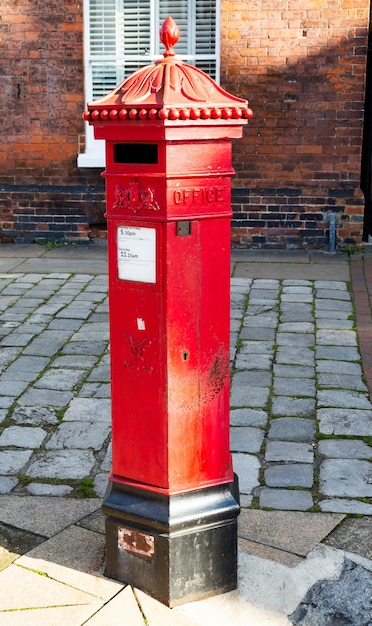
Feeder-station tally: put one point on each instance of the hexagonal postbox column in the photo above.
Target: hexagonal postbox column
(172, 502)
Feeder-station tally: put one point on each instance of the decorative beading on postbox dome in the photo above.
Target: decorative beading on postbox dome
(168, 89)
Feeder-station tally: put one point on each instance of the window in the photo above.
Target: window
(123, 35)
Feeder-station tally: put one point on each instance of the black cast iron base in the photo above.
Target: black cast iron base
(175, 548)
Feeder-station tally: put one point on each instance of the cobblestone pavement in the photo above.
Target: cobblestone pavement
(300, 410)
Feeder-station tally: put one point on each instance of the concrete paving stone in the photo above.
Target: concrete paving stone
(295, 356)
(354, 535)
(350, 478)
(336, 294)
(333, 285)
(100, 484)
(337, 353)
(294, 386)
(3, 414)
(22, 437)
(101, 374)
(86, 409)
(39, 318)
(51, 335)
(20, 339)
(270, 554)
(95, 390)
(256, 379)
(247, 467)
(264, 283)
(286, 500)
(343, 399)
(246, 439)
(157, 614)
(341, 381)
(234, 325)
(292, 429)
(79, 435)
(357, 423)
(253, 397)
(45, 397)
(293, 371)
(94, 521)
(295, 339)
(340, 324)
(334, 305)
(336, 337)
(12, 461)
(254, 362)
(248, 417)
(50, 309)
(289, 406)
(292, 475)
(74, 362)
(338, 367)
(31, 277)
(340, 505)
(261, 321)
(99, 318)
(65, 324)
(262, 309)
(43, 347)
(29, 302)
(6, 402)
(257, 347)
(238, 300)
(289, 451)
(299, 281)
(297, 297)
(91, 336)
(296, 327)
(27, 590)
(89, 348)
(45, 516)
(7, 483)
(74, 312)
(260, 333)
(11, 316)
(123, 604)
(34, 415)
(107, 461)
(29, 327)
(329, 313)
(45, 489)
(240, 283)
(60, 379)
(297, 288)
(344, 449)
(12, 388)
(7, 355)
(63, 464)
(235, 313)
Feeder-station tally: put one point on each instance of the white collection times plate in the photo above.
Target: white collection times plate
(137, 254)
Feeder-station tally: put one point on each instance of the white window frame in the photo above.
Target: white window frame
(94, 155)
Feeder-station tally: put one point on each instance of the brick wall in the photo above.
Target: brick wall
(301, 64)
(42, 193)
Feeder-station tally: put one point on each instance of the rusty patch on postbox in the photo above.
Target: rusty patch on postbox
(140, 544)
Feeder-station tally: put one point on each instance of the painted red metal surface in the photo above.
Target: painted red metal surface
(168, 131)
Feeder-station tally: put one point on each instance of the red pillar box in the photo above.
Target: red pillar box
(172, 502)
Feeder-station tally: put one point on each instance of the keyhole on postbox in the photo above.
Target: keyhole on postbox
(185, 355)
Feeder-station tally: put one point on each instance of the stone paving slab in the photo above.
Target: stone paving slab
(286, 374)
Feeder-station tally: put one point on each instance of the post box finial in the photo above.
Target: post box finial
(169, 35)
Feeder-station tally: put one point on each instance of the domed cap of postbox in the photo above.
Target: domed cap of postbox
(169, 90)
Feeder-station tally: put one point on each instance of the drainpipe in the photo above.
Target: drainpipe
(332, 231)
